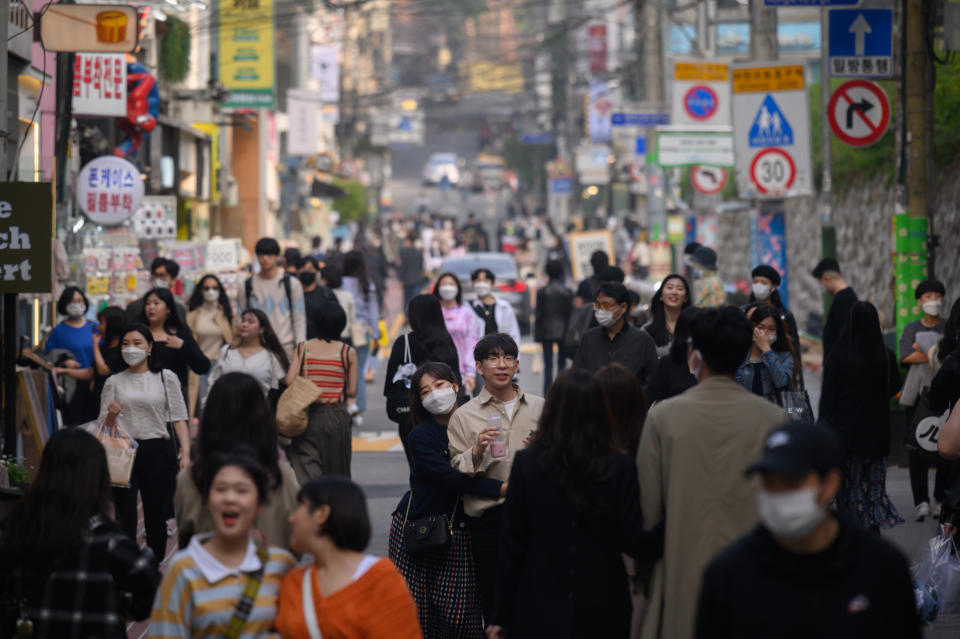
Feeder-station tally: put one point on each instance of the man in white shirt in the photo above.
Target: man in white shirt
(495, 313)
(278, 295)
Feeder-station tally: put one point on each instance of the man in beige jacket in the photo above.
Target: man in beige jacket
(691, 458)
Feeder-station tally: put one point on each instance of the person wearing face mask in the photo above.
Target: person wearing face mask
(693, 450)
(917, 339)
(766, 281)
(163, 274)
(859, 378)
(616, 340)
(805, 571)
(462, 323)
(443, 585)
(315, 294)
(496, 314)
(143, 399)
(212, 323)
(770, 365)
(278, 294)
(75, 334)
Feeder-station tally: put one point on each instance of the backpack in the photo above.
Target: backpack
(398, 401)
(578, 325)
(248, 294)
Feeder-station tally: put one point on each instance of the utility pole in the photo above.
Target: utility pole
(9, 299)
(827, 232)
(916, 78)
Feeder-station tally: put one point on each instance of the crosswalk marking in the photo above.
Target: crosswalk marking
(377, 442)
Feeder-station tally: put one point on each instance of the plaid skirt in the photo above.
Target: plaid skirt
(443, 585)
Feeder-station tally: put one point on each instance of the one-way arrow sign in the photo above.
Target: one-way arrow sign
(861, 42)
(860, 28)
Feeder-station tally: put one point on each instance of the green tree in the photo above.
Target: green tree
(352, 206)
(175, 50)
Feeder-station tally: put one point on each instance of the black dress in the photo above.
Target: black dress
(561, 571)
(181, 360)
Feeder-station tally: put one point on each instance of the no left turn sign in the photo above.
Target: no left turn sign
(773, 172)
(708, 179)
(859, 112)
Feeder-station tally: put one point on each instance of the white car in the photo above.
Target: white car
(441, 164)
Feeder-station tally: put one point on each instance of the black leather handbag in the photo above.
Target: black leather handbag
(427, 535)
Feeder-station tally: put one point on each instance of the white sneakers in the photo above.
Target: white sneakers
(922, 511)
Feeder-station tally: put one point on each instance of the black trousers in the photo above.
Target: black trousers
(155, 478)
(485, 546)
(548, 361)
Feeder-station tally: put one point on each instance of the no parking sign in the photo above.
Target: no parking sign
(701, 93)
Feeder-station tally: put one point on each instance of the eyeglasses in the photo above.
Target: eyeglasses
(507, 359)
(606, 307)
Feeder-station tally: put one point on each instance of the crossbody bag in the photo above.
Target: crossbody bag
(249, 597)
(427, 535)
(171, 431)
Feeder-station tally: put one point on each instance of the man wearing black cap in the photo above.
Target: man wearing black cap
(827, 272)
(803, 571)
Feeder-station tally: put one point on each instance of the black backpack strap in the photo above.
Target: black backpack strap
(346, 371)
(287, 289)
(248, 290)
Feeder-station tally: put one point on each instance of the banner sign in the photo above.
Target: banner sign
(768, 245)
(100, 84)
(247, 52)
(109, 190)
(26, 226)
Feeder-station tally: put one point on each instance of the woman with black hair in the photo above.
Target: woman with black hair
(859, 378)
(945, 388)
(174, 347)
(257, 352)
(344, 592)
(572, 510)
(443, 584)
(668, 302)
(766, 281)
(106, 349)
(357, 282)
(324, 448)
(210, 320)
(427, 341)
(770, 365)
(462, 324)
(673, 375)
(143, 399)
(75, 334)
(237, 415)
(73, 570)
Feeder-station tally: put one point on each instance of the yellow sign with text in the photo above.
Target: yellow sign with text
(787, 77)
(490, 77)
(246, 52)
(702, 71)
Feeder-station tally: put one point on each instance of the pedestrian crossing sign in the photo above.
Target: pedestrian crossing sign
(405, 124)
(770, 127)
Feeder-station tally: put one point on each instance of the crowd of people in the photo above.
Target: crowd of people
(670, 482)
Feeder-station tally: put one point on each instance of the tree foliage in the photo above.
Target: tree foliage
(352, 207)
(175, 50)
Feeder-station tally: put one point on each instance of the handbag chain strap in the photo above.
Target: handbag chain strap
(249, 597)
(453, 514)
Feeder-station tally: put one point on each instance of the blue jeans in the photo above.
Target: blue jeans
(363, 352)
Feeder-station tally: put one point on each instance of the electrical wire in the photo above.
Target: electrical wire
(33, 21)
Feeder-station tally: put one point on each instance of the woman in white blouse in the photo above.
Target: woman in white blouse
(257, 353)
(143, 399)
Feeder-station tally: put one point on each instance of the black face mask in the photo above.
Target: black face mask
(308, 278)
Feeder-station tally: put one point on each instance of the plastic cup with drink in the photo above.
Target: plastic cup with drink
(498, 447)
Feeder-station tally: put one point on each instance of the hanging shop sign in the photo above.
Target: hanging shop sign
(26, 226)
(247, 52)
(93, 28)
(100, 84)
(109, 190)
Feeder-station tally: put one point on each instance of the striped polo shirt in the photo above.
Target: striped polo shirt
(198, 595)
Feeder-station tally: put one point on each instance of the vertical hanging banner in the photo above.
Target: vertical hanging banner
(771, 130)
(302, 108)
(701, 93)
(100, 84)
(597, 48)
(246, 52)
(325, 66)
(768, 245)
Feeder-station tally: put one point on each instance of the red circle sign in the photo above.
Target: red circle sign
(700, 102)
(773, 171)
(859, 112)
(708, 179)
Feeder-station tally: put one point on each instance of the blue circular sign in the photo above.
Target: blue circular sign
(700, 102)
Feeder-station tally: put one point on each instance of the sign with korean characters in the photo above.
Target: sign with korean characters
(109, 190)
(26, 226)
(771, 130)
(100, 84)
(701, 93)
(247, 52)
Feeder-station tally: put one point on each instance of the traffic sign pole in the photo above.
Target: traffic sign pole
(827, 233)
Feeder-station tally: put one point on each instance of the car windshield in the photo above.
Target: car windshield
(503, 268)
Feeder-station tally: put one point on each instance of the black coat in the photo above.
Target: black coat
(670, 379)
(561, 571)
(837, 318)
(181, 361)
(554, 303)
(859, 586)
(856, 403)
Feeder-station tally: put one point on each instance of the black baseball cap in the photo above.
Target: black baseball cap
(798, 448)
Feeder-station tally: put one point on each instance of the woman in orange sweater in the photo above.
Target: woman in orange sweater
(345, 594)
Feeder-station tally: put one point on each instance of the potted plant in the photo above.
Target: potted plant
(16, 472)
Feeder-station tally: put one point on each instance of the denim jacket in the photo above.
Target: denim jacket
(776, 373)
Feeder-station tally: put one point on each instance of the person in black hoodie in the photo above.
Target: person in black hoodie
(827, 272)
(805, 571)
(554, 304)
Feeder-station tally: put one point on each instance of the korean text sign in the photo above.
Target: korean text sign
(109, 190)
(26, 230)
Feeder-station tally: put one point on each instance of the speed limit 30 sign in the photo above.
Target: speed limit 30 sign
(773, 172)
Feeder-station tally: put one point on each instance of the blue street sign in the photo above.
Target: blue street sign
(405, 124)
(770, 126)
(537, 138)
(861, 32)
(811, 3)
(645, 120)
(561, 186)
(641, 147)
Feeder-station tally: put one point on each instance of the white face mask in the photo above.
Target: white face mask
(133, 355)
(933, 308)
(605, 318)
(482, 288)
(211, 295)
(792, 515)
(76, 310)
(448, 292)
(762, 291)
(157, 283)
(440, 401)
(695, 356)
(772, 338)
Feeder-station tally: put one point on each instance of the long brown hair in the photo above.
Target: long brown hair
(625, 405)
(268, 339)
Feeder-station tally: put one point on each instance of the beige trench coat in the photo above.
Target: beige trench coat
(691, 459)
